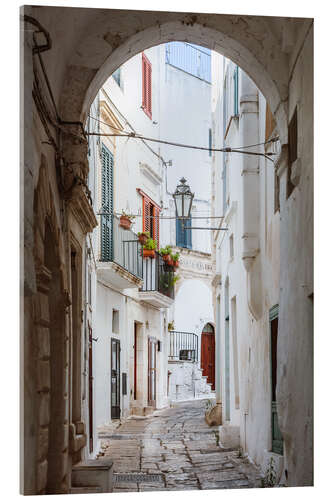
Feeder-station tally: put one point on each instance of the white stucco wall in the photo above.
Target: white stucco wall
(249, 335)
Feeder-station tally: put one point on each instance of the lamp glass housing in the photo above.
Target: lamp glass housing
(183, 198)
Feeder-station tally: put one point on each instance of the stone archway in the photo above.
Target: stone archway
(87, 46)
(111, 38)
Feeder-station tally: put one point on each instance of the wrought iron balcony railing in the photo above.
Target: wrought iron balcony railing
(190, 58)
(183, 346)
(158, 276)
(120, 246)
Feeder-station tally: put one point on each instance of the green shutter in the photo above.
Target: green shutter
(107, 205)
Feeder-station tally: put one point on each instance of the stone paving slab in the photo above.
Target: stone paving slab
(178, 444)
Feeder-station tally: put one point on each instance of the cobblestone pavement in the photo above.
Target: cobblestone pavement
(177, 444)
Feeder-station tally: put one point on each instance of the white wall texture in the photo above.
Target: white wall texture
(252, 274)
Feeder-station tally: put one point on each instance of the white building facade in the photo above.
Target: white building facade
(246, 266)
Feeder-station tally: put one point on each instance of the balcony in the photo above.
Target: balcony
(183, 346)
(120, 262)
(158, 287)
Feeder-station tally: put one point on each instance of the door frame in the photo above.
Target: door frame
(152, 340)
(211, 342)
(115, 410)
(276, 436)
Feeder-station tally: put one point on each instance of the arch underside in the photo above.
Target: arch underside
(103, 40)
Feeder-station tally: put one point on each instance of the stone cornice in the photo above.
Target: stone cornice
(82, 210)
(149, 172)
(107, 115)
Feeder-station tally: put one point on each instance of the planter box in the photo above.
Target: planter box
(142, 238)
(148, 253)
(125, 222)
(167, 259)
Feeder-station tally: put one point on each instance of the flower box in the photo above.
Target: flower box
(125, 222)
(148, 253)
(143, 238)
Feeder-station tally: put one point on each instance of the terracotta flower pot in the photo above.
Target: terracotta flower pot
(125, 222)
(167, 259)
(148, 253)
(142, 238)
(175, 263)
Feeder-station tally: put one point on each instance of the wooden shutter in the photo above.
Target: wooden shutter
(149, 90)
(144, 83)
(107, 205)
(156, 236)
(145, 215)
(146, 86)
(188, 233)
(184, 236)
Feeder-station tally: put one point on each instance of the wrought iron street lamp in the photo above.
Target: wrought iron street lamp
(183, 198)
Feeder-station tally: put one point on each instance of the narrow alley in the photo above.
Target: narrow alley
(177, 445)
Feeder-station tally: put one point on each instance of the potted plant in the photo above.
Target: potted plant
(168, 280)
(166, 254)
(143, 237)
(126, 220)
(175, 279)
(175, 259)
(149, 248)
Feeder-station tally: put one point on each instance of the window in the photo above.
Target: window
(236, 91)
(117, 77)
(231, 246)
(107, 205)
(146, 86)
(292, 150)
(225, 183)
(115, 321)
(184, 236)
(150, 217)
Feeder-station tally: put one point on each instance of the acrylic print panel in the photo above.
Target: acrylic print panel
(135, 376)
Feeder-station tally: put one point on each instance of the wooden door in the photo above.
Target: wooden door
(152, 349)
(90, 391)
(115, 378)
(208, 354)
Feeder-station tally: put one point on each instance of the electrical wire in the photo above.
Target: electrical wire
(117, 214)
(135, 135)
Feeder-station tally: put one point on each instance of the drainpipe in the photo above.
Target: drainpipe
(250, 210)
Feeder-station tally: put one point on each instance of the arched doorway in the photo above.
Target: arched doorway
(208, 354)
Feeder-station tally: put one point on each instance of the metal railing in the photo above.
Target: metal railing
(193, 60)
(183, 346)
(158, 276)
(120, 246)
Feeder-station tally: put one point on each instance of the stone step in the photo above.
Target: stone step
(85, 489)
(93, 473)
